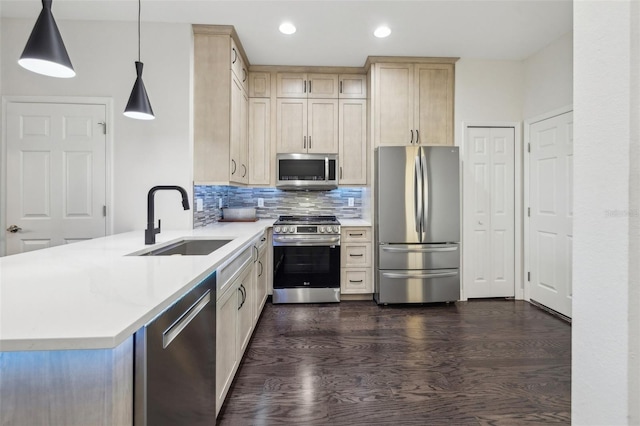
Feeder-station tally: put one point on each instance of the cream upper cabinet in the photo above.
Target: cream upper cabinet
(352, 139)
(259, 84)
(413, 103)
(307, 85)
(220, 108)
(260, 141)
(307, 125)
(239, 163)
(352, 86)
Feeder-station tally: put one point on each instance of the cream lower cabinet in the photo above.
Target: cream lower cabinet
(261, 274)
(237, 311)
(356, 260)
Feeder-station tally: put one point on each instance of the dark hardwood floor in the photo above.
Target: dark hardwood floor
(484, 362)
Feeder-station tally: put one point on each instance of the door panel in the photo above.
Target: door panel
(56, 174)
(292, 125)
(434, 104)
(394, 104)
(323, 126)
(489, 221)
(551, 225)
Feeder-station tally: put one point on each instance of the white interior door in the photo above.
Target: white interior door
(551, 214)
(56, 174)
(489, 212)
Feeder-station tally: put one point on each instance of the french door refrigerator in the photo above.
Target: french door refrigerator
(417, 224)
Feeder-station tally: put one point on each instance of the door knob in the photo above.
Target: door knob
(14, 228)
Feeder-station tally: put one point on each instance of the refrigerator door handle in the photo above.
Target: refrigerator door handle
(417, 193)
(425, 190)
(399, 275)
(419, 250)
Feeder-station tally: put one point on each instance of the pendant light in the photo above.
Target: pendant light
(139, 106)
(45, 52)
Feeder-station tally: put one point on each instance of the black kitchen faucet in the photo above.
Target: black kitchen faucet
(150, 232)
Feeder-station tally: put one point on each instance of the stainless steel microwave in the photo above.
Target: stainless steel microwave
(306, 172)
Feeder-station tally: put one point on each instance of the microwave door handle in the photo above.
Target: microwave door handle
(326, 167)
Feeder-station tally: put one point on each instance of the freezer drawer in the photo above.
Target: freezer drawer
(418, 256)
(427, 286)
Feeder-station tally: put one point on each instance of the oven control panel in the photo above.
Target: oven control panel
(306, 229)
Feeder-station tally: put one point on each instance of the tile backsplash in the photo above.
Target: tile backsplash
(276, 202)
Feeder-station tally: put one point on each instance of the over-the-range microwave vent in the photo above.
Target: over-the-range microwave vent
(307, 172)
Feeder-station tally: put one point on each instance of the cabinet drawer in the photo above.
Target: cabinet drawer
(357, 255)
(355, 281)
(356, 234)
(418, 256)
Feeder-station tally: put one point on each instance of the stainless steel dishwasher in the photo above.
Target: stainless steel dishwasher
(175, 362)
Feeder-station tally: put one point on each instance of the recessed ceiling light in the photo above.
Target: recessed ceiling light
(287, 28)
(382, 31)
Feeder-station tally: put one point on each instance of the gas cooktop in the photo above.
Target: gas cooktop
(307, 220)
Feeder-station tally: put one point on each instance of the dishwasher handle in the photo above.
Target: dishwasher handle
(183, 321)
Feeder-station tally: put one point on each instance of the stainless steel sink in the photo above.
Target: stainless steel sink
(186, 247)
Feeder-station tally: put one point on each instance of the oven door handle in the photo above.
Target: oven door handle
(279, 240)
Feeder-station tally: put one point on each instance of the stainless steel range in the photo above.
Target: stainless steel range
(306, 259)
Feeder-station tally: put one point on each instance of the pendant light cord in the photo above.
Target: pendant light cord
(139, 8)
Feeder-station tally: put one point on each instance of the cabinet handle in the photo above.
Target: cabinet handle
(356, 235)
(355, 281)
(244, 75)
(304, 143)
(411, 136)
(309, 86)
(241, 297)
(417, 136)
(256, 249)
(340, 172)
(245, 170)
(233, 163)
(356, 255)
(340, 87)
(261, 268)
(235, 55)
(309, 138)
(304, 90)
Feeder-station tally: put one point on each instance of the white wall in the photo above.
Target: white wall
(606, 267)
(145, 153)
(487, 91)
(548, 78)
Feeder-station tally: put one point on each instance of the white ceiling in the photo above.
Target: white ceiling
(340, 33)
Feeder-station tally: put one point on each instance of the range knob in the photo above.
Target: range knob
(292, 229)
(276, 229)
(321, 229)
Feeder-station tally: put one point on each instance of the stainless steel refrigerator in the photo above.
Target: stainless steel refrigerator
(417, 224)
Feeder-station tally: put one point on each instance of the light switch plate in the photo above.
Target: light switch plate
(199, 204)
(351, 201)
(260, 202)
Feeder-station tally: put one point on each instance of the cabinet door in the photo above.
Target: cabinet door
(259, 84)
(352, 138)
(259, 141)
(353, 86)
(434, 103)
(291, 133)
(235, 142)
(322, 119)
(291, 85)
(261, 282)
(247, 294)
(393, 104)
(322, 86)
(238, 65)
(226, 342)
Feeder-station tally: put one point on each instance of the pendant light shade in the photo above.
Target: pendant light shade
(139, 106)
(45, 52)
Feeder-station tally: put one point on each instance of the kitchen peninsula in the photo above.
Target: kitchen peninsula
(68, 314)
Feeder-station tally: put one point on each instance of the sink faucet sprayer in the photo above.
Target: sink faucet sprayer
(150, 232)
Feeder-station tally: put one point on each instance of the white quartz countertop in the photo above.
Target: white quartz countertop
(91, 295)
(354, 222)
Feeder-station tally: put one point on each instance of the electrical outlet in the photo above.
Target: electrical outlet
(351, 201)
(199, 204)
(219, 203)
(260, 202)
